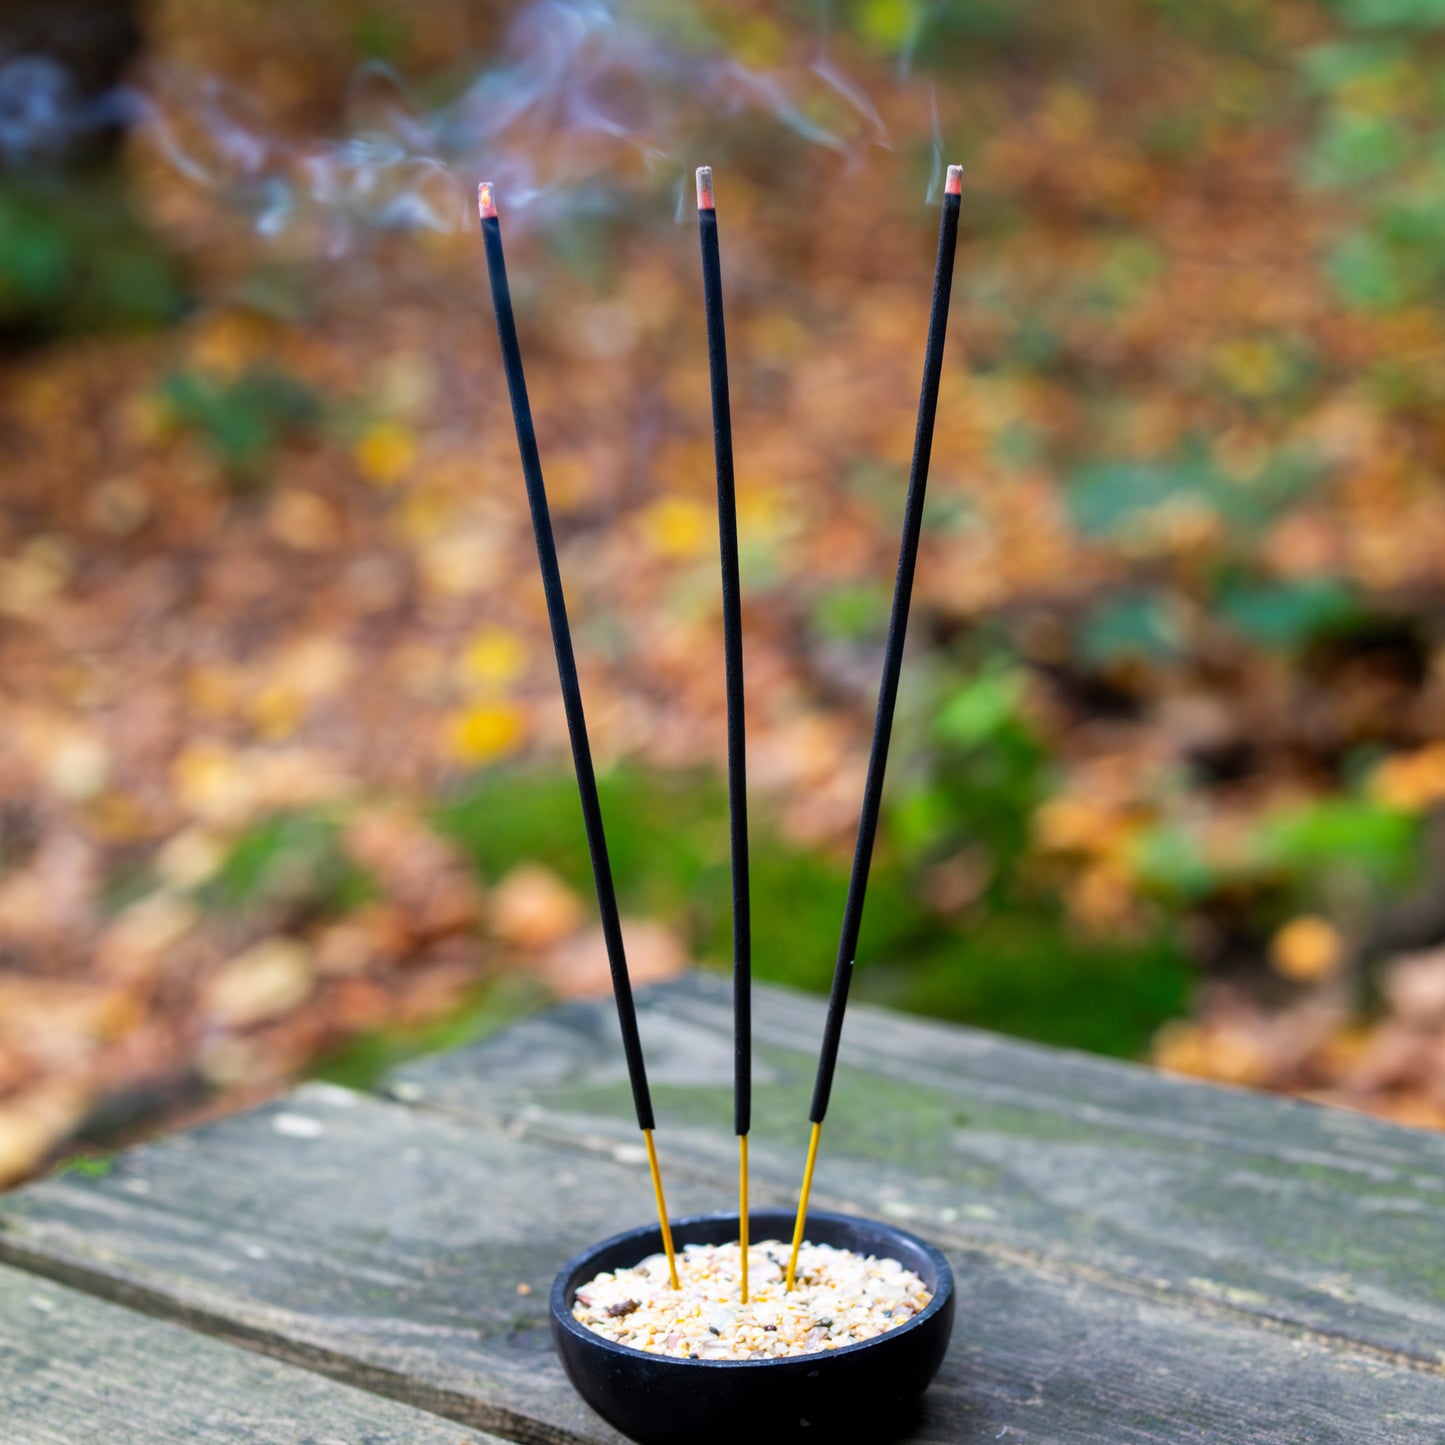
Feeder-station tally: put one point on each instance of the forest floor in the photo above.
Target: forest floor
(282, 762)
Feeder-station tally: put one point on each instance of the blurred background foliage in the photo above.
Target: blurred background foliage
(283, 771)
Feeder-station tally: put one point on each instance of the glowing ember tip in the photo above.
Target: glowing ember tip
(954, 185)
(704, 188)
(486, 200)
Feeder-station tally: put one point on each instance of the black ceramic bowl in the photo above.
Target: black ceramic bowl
(856, 1394)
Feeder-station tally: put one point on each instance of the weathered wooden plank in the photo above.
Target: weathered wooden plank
(365, 1239)
(74, 1371)
(1313, 1216)
(384, 1245)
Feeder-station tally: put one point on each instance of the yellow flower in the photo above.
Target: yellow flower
(676, 526)
(494, 658)
(487, 732)
(385, 452)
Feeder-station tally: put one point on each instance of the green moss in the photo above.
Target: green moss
(1015, 967)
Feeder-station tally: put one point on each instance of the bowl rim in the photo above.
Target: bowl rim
(562, 1315)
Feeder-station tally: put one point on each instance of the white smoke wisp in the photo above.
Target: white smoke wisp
(589, 99)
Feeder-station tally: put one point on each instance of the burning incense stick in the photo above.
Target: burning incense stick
(727, 519)
(571, 692)
(888, 689)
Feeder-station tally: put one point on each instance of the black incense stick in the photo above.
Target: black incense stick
(888, 688)
(727, 519)
(571, 687)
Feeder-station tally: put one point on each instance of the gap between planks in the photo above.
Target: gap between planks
(347, 1369)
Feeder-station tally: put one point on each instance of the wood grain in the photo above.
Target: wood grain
(383, 1244)
(75, 1371)
(1313, 1217)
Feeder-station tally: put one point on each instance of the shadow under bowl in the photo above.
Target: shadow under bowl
(858, 1393)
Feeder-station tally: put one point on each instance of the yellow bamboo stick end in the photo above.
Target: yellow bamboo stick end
(743, 1208)
(803, 1206)
(661, 1206)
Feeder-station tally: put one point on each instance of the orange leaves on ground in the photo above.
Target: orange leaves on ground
(211, 783)
(1230, 1054)
(1415, 988)
(1390, 1064)
(579, 966)
(304, 520)
(142, 939)
(32, 1120)
(229, 340)
(1411, 781)
(1307, 950)
(534, 913)
(227, 787)
(417, 872)
(58, 1020)
(267, 981)
(30, 581)
(532, 909)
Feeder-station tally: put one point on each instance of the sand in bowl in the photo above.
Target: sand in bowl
(839, 1298)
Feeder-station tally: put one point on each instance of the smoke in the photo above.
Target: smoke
(935, 175)
(589, 100)
(43, 115)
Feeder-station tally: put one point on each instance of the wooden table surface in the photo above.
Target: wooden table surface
(1138, 1258)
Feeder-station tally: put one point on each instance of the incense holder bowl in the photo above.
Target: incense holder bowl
(858, 1393)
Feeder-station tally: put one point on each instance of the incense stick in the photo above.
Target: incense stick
(727, 519)
(571, 692)
(887, 690)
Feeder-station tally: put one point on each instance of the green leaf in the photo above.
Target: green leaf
(1170, 861)
(1404, 14)
(76, 257)
(292, 860)
(1352, 148)
(1333, 66)
(1126, 270)
(1374, 275)
(853, 613)
(1109, 498)
(1418, 218)
(1017, 444)
(1140, 625)
(979, 709)
(1104, 498)
(1283, 615)
(919, 817)
(243, 420)
(1379, 844)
